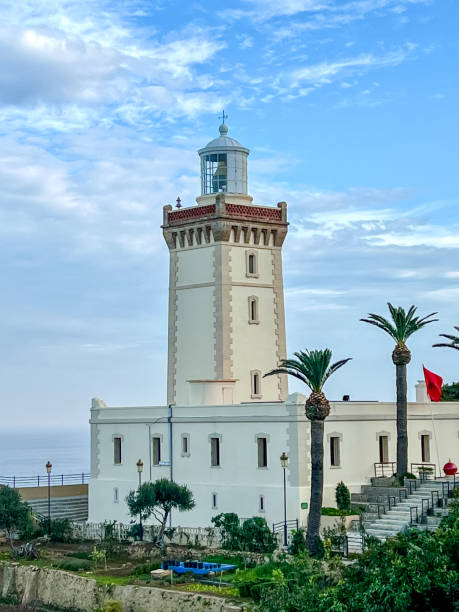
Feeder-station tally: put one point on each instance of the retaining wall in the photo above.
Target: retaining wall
(69, 591)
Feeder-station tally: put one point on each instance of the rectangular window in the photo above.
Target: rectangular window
(262, 503)
(383, 449)
(253, 309)
(215, 173)
(117, 450)
(251, 264)
(262, 452)
(214, 501)
(156, 450)
(185, 445)
(256, 385)
(334, 451)
(425, 448)
(116, 497)
(215, 452)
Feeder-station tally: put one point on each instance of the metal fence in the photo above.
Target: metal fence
(196, 536)
(42, 480)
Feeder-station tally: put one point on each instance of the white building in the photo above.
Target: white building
(225, 426)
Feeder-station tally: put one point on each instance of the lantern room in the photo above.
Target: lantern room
(223, 166)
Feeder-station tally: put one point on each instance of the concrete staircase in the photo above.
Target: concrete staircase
(74, 508)
(389, 509)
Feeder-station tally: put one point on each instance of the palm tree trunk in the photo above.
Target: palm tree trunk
(317, 482)
(402, 433)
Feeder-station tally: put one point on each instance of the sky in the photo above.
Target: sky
(349, 109)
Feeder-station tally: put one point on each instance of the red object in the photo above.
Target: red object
(433, 382)
(450, 468)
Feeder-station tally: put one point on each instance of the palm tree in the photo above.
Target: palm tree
(400, 328)
(313, 369)
(454, 340)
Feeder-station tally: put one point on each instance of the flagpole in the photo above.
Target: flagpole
(435, 437)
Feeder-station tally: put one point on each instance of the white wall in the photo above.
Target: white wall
(239, 482)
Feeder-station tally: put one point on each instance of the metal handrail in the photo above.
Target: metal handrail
(389, 497)
(432, 494)
(421, 473)
(400, 494)
(381, 466)
(37, 481)
(427, 500)
(291, 524)
(411, 514)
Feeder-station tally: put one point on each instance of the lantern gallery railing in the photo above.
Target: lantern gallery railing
(41, 481)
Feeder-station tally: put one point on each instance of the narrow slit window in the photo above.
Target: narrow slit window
(185, 445)
(215, 452)
(117, 450)
(116, 497)
(253, 309)
(334, 451)
(425, 448)
(252, 264)
(256, 388)
(262, 452)
(214, 501)
(262, 503)
(156, 450)
(383, 449)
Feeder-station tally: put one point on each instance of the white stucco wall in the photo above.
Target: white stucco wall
(238, 483)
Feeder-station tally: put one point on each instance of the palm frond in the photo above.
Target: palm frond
(336, 366)
(454, 340)
(311, 367)
(404, 323)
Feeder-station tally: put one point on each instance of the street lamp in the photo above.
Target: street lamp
(49, 467)
(140, 469)
(284, 464)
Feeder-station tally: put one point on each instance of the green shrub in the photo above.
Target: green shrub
(409, 475)
(145, 568)
(112, 605)
(298, 543)
(78, 555)
(342, 496)
(74, 565)
(257, 536)
(61, 529)
(254, 535)
(326, 511)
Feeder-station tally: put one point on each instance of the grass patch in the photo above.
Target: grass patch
(107, 579)
(196, 587)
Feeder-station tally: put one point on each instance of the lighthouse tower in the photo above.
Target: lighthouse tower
(226, 302)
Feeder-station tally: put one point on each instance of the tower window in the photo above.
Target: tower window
(383, 449)
(214, 501)
(425, 448)
(255, 376)
(253, 309)
(117, 450)
(261, 506)
(334, 451)
(262, 444)
(156, 450)
(116, 496)
(251, 264)
(214, 173)
(215, 452)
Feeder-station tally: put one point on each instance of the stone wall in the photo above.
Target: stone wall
(69, 591)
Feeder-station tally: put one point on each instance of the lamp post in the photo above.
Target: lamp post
(49, 467)
(140, 469)
(284, 464)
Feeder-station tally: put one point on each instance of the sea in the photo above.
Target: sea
(25, 452)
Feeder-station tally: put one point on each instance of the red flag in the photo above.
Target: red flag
(433, 382)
